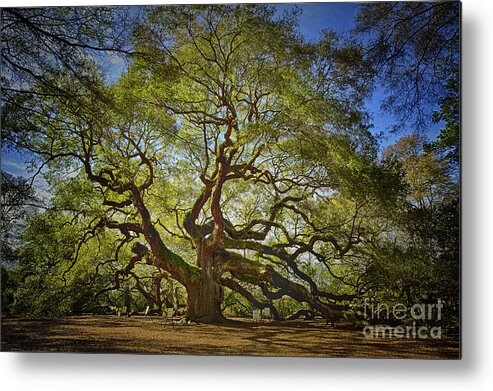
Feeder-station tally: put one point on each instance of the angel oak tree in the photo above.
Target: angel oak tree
(226, 151)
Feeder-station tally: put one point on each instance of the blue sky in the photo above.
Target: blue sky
(318, 16)
(340, 17)
(313, 19)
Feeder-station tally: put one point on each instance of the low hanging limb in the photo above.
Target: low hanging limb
(235, 286)
(245, 269)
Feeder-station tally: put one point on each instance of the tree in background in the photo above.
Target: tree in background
(414, 49)
(447, 143)
(17, 202)
(419, 260)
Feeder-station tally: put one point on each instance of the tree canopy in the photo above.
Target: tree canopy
(230, 166)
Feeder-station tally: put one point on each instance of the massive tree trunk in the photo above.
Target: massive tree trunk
(204, 302)
(205, 293)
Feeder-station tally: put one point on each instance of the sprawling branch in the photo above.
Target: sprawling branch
(236, 286)
(243, 268)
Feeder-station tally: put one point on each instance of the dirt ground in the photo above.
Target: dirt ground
(153, 335)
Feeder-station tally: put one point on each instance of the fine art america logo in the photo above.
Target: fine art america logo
(417, 320)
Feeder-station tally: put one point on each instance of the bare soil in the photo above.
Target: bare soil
(153, 335)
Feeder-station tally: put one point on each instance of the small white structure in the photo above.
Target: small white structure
(266, 313)
(257, 317)
(169, 315)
